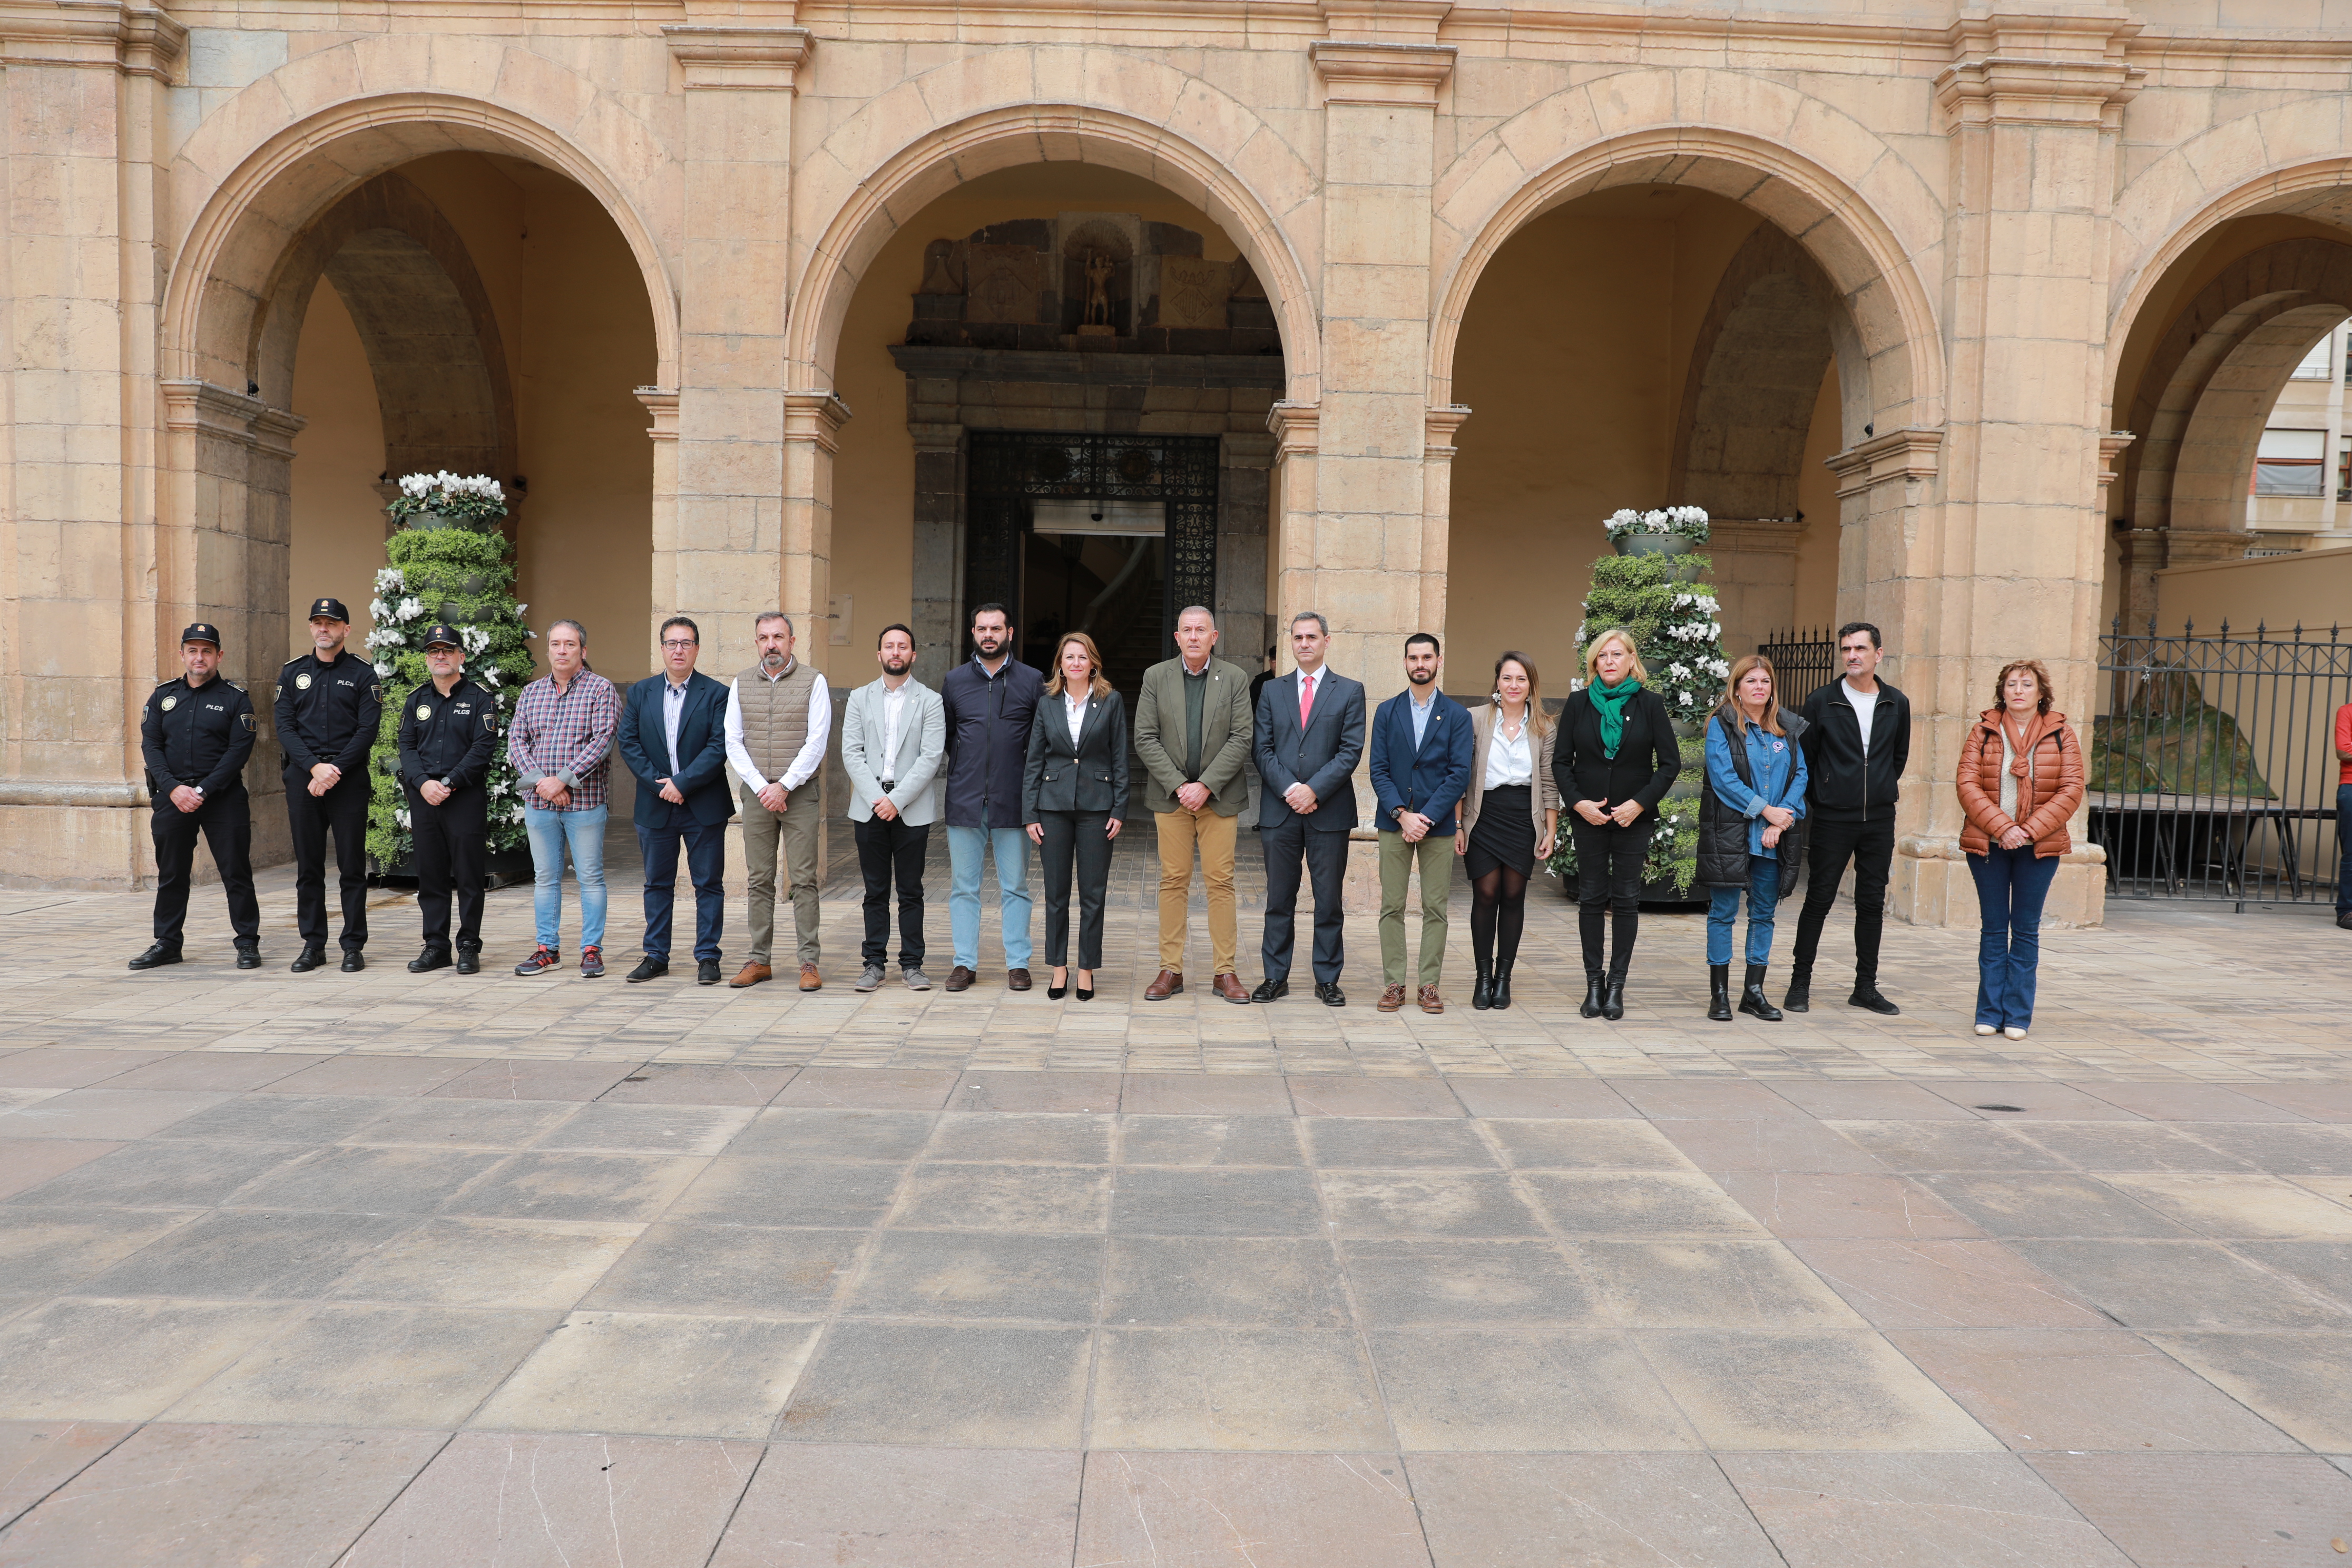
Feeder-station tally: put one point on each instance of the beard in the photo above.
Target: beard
(1421, 677)
(895, 668)
(772, 662)
(989, 645)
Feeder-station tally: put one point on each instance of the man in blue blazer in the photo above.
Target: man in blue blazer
(673, 735)
(1308, 734)
(1420, 769)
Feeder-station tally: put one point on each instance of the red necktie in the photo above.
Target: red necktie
(1306, 699)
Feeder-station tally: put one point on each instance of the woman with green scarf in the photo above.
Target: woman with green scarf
(1614, 760)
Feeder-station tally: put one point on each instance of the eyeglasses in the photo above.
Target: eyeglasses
(666, 643)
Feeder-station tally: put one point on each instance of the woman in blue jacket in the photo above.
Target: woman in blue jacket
(1748, 810)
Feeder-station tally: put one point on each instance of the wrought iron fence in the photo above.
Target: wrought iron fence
(2213, 772)
(1801, 662)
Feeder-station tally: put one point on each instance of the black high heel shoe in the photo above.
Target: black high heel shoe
(1084, 993)
(1055, 992)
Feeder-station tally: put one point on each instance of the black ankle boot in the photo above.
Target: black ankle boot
(1719, 993)
(1613, 999)
(1752, 1000)
(1481, 989)
(1502, 997)
(1593, 988)
(1800, 997)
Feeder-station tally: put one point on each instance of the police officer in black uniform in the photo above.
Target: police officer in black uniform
(195, 735)
(329, 702)
(448, 734)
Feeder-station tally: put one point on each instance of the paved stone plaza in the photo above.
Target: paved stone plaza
(375, 1269)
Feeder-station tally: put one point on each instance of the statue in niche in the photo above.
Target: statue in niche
(1097, 288)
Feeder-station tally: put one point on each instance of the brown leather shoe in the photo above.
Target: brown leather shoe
(751, 974)
(1170, 982)
(1018, 979)
(1229, 986)
(961, 979)
(1391, 999)
(1430, 1000)
(810, 979)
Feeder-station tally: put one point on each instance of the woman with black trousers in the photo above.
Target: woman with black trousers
(1073, 798)
(1614, 759)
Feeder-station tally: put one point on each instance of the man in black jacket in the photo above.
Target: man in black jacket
(988, 701)
(195, 736)
(448, 734)
(1857, 741)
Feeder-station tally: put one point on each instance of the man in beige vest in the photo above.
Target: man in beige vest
(778, 717)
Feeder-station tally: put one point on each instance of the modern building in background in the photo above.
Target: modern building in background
(2300, 494)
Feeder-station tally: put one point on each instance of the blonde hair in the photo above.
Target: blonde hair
(1097, 686)
(1633, 648)
(1539, 721)
(1729, 710)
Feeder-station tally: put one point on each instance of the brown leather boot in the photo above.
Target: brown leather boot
(751, 974)
(1170, 982)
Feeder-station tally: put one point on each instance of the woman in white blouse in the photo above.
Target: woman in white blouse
(1510, 817)
(1073, 799)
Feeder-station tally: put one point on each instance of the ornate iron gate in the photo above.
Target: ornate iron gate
(1008, 470)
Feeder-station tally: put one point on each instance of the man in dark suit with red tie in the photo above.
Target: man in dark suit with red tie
(1308, 734)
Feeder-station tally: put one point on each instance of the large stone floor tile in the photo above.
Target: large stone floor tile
(520, 1263)
(697, 1083)
(2249, 1208)
(249, 1254)
(1683, 1098)
(1589, 1144)
(277, 1118)
(1770, 1144)
(220, 1497)
(803, 1134)
(232, 1073)
(1247, 1510)
(1611, 1510)
(1225, 1281)
(498, 1500)
(2324, 1266)
(2130, 1146)
(819, 1506)
(1578, 1098)
(968, 1275)
(1391, 1143)
(966, 1385)
(1035, 1198)
(1638, 1203)
(1946, 1285)
(464, 1124)
(648, 1129)
(2185, 1286)
(1210, 1141)
(1879, 1100)
(374, 1366)
(120, 1360)
(528, 1077)
(535, 1186)
(2206, 1510)
(1709, 1284)
(2040, 1388)
(158, 1173)
(659, 1376)
(1417, 1284)
(105, 1113)
(369, 1181)
(1794, 1205)
(37, 1458)
(2186, 1101)
(1262, 1389)
(1464, 1203)
(2300, 1150)
(1318, 1096)
(1522, 1391)
(728, 1269)
(67, 1067)
(2319, 1101)
(1215, 1203)
(1843, 1393)
(370, 1075)
(2050, 1204)
(50, 1251)
(1044, 1091)
(1203, 1094)
(869, 1089)
(1023, 1138)
(776, 1191)
(2303, 1382)
(27, 1163)
(1957, 1511)
(1918, 1146)
(2028, 1099)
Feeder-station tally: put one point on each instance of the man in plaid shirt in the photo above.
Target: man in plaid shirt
(560, 742)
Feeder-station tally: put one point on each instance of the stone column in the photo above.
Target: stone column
(1244, 505)
(722, 560)
(813, 422)
(1438, 426)
(2011, 566)
(937, 603)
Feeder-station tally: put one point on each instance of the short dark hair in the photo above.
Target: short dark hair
(679, 621)
(1850, 627)
(894, 626)
(980, 610)
(1429, 638)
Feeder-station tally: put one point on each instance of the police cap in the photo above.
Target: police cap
(202, 633)
(440, 635)
(331, 608)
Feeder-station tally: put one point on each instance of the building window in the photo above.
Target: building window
(2320, 362)
(2291, 463)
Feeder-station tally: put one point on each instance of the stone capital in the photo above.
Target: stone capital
(1383, 75)
(661, 401)
(209, 410)
(136, 40)
(1438, 426)
(936, 436)
(2111, 458)
(1296, 426)
(1755, 535)
(815, 416)
(741, 58)
(1910, 454)
(2020, 69)
(1386, 21)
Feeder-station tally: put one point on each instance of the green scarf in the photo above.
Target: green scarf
(1610, 700)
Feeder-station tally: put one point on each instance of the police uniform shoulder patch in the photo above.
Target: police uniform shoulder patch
(376, 692)
(247, 718)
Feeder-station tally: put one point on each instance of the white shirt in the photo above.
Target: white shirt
(674, 709)
(1509, 761)
(1073, 705)
(1865, 704)
(894, 713)
(805, 762)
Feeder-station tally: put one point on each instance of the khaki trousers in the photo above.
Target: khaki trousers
(796, 835)
(1180, 832)
(1434, 855)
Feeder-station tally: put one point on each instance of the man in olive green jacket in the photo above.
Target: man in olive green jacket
(1192, 736)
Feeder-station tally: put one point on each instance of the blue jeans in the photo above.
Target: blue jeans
(706, 864)
(552, 832)
(2344, 849)
(2012, 885)
(1723, 910)
(1010, 848)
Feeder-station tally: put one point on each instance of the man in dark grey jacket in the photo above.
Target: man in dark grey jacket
(1857, 743)
(988, 701)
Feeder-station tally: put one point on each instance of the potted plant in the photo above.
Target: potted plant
(1662, 531)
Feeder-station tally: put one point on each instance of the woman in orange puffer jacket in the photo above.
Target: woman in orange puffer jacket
(2021, 777)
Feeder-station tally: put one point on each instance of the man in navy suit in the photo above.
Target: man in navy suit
(673, 735)
(1421, 767)
(1308, 734)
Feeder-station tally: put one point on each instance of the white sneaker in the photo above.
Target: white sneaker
(2014, 1033)
(1987, 1029)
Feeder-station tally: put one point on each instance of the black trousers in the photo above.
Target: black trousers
(224, 821)
(888, 850)
(1830, 844)
(452, 852)
(342, 811)
(1609, 864)
(1324, 857)
(1074, 837)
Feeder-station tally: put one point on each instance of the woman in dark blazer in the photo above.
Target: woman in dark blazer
(1073, 798)
(1614, 759)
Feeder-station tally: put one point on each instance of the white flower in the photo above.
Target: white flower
(400, 814)
(410, 608)
(383, 670)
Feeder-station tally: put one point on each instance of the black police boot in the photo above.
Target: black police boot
(1752, 1000)
(1482, 988)
(248, 955)
(430, 959)
(470, 961)
(308, 959)
(156, 957)
(1719, 993)
(1503, 982)
(354, 961)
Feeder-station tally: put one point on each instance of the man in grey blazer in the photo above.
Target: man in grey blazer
(1308, 734)
(894, 733)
